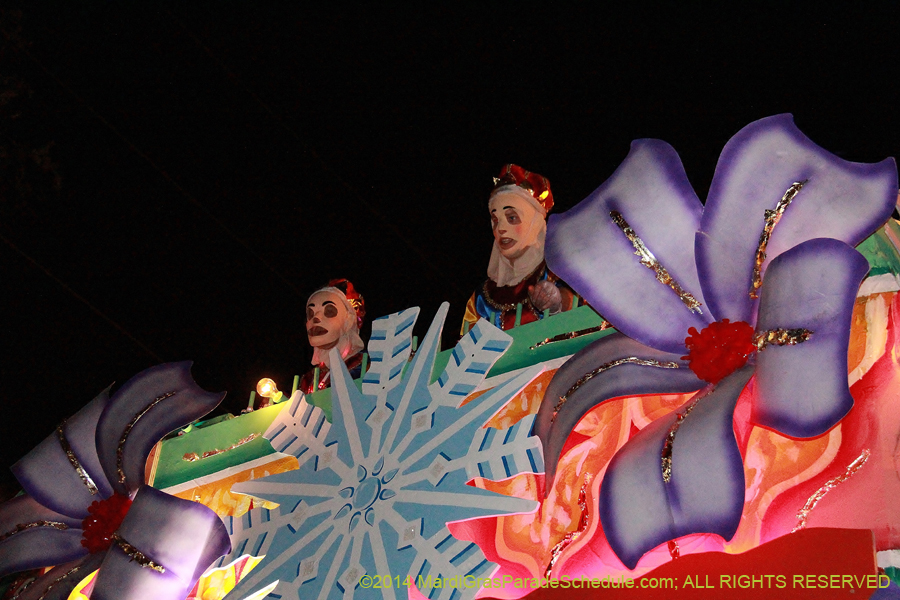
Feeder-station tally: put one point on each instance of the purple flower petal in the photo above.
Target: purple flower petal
(705, 494)
(149, 405)
(842, 200)
(628, 379)
(33, 536)
(183, 537)
(58, 582)
(588, 250)
(48, 475)
(802, 390)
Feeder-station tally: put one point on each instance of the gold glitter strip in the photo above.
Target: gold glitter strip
(649, 261)
(120, 453)
(193, 456)
(572, 335)
(136, 555)
(26, 526)
(666, 454)
(73, 460)
(570, 537)
(644, 362)
(852, 468)
(22, 590)
(781, 337)
(772, 218)
(71, 571)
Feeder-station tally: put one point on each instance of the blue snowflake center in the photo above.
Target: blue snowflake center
(364, 492)
(367, 493)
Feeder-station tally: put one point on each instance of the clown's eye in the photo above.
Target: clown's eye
(512, 218)
(309, 313)
(331, 311)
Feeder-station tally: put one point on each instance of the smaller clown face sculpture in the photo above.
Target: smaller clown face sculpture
(514, 221)
(326, 315)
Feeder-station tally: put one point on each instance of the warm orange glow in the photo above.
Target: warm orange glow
(266, 388)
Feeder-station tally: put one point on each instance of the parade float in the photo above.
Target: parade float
(727, 428)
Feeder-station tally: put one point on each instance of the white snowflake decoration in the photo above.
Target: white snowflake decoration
(376, 489)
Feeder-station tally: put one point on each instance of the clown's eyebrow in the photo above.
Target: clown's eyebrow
(323, 304)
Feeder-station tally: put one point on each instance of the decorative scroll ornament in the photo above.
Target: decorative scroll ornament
(193, 456)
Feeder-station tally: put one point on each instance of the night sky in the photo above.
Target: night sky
(176, 181)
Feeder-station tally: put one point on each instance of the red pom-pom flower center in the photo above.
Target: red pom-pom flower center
(720, 349)
(103, 521)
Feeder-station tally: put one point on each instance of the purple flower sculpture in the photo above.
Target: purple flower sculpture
(85, 478)
(760, 283)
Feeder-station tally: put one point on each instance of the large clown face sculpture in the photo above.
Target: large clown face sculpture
(326, 317)
(515, 223)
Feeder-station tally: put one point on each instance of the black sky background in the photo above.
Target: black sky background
(218, 162)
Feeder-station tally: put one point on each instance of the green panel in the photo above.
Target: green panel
(880, 249)
(172, 469)
(524, 337)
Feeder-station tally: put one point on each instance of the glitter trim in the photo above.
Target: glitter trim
(570, 537)
(136, 555)
(649, 261)
(71, 571)
(781, 337)
(852, 468)
(644, 362)
(572, 335)
(22, 590)
(21, 583)
(26, 526)
(120, 449)
(665, 458)
(193, 456)
(73, 460)
(500, 306)
(772, 218)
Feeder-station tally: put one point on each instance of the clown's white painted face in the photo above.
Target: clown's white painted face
(512, 219)
(325, 314)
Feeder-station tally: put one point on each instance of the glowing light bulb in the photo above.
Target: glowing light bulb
(266, 388)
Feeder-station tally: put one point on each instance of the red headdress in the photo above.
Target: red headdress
(535, 185)
(355, 299)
